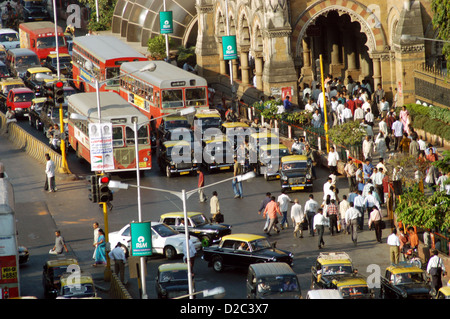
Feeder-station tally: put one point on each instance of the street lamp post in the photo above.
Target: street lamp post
(183, 195)
(408, 37)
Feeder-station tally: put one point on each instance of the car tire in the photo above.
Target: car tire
(217, 264)
(170, 252)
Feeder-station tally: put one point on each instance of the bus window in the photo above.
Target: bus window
(172, 98)
(196, 96)
(142, 135)
(117, 136)
(49, 42)
(112, 73)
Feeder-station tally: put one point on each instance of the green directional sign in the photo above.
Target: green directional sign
(165, 22)
(229, 47)
(141, 239)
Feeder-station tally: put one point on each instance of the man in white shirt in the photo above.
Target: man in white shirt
(344, 205)
(283, 202)
(378, 181)
(347, 114)
(352, 216)
(319, 225)
(359, 205)
(297, 216)
(394, 246)
(333, 158)
(311, 106)
(326, 187)
(436, 269)
(422, 144)
(50, 174)
(397, 130)
(369, 117)
(311, 207)
(359, 114)
(367, 147)
(370, 201)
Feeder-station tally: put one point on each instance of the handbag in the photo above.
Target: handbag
(304, 224)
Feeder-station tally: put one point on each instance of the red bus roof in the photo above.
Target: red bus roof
(40, 27)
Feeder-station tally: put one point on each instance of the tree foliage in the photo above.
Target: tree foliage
(441, 21)
(106, 11)
(156, 46)
(350, 133)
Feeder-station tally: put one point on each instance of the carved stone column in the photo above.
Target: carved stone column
(259, 70)
(245, 76)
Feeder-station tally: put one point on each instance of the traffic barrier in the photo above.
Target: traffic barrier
(117, 290)
(25, 141)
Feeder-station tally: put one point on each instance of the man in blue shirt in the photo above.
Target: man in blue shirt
(367, 170)
(287, 104)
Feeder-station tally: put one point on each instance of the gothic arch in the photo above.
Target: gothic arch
(376, 41)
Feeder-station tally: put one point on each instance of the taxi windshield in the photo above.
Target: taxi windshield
(336, 269)
(354, 291)
(173, 275)
(260, 244)
(277, 284)
(295, 165)
(408, 278)
(198, 220)
(172, 124)
(86, 290)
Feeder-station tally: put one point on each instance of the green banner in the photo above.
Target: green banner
(141, 239)
(229, 47)
(165, 22)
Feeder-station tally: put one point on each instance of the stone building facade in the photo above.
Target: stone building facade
(279, 41)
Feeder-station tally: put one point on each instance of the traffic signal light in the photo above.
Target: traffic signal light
(59, 92)
(93, 190)
(104, 193)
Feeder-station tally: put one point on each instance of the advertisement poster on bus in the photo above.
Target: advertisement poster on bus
(101, 146)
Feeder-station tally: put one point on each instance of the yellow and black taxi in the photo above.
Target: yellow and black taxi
(198, 226)
(405, 281)
(6, 84)
(76, 286)
(52, 272)
(265, 137)
(295, 173)
(353, 286)
(443, 293)
(172, 280)
(242, 250)
(207, 119)
(275, 280)
(3, 54)
(65, 63)
(328, 267)
(236, 132)
(32, 80)
(270, 158)
(34, 115)
(172, 122)
(176, 157)
(217, 154)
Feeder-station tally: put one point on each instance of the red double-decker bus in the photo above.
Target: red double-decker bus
(105, 54)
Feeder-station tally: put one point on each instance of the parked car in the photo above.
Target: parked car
(51, 275)
(328, 267)
(165, 240)
(272, 281)
(296, 173)
(83, 287)
(175, 157)
(19, 100)
(172, 280)
(198, 226)
(405, 281)
(242, 250)
(34, 116)
(269, 160)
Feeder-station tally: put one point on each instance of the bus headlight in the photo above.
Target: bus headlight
(145, 159)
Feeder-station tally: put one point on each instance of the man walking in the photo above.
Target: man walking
(333, 158)
(297, 216)
(50, 175)
(332, 214)
(237, 183)
(397, 130)
(283, 201)
(271, 211)
(201, 184)
(436, 269)
(214, 206)
(264, 203)
(311, 207)
(319, 225)
(119, 257)
(350, 171)
(352, 216)
(359, 205)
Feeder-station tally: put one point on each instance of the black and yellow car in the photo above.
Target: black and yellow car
(443, 293)
(78, 286)
(353, 286)
(329, 267)
(51, 275)
(217, 154)
(405, 281)
(296, 173)
(172, 280)
(242, 250)
(176, 157)
(270, 159)
(198, 226)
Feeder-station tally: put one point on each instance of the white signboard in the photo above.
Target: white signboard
(101, 146)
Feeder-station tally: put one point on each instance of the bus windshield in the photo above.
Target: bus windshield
(49, 42)
(112, 73)
(196, 96)
(142, 135)
(172, 98)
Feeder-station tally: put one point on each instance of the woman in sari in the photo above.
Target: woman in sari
(100, 251)
(404, 118)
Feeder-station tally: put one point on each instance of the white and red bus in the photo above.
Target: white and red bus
(163, 91)
(105, 54)
(9, 257)
(40, 37)
(118, 112)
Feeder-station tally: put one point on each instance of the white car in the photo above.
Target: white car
(9, 38)
(165, 240)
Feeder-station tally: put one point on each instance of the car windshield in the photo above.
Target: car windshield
(295, 166)
(173, 275)
(199, 220)
(354, 291)
(208, 122)
(218, 148)
(7, 37)
(164, 230)
(172, 124)
(24, 97)
(336, 269)
(408, 278)
(58, 271)
(4, 72)
(84, 290)
(278, 284)
(50, 42)
(260, 244)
